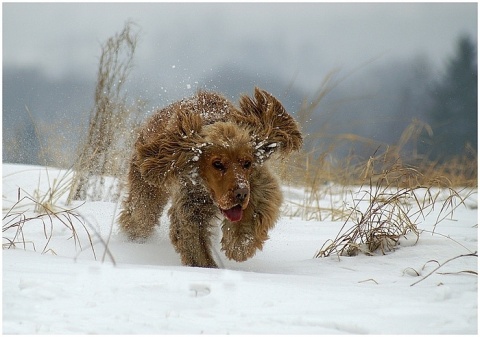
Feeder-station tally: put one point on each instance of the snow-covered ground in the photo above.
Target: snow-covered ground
(52, 283)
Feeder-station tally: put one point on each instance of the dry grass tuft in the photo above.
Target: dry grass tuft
(388, 208)
(42, 210)
(15, 220)
(386, 218)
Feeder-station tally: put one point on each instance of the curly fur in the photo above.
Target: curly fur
(209, 157)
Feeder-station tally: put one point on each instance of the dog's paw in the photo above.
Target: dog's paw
(239, 248)
(133, 237)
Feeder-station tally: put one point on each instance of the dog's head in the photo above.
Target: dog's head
(225, 164)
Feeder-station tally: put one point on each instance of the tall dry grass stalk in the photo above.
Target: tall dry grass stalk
(112, 122)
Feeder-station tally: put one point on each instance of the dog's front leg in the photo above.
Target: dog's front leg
(142, 207)
(241, 239)
(190, 216)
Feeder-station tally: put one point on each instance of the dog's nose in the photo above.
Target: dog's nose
(241, 194)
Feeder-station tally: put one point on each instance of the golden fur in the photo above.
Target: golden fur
(209, 157)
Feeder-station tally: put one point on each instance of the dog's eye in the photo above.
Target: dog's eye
(247, 164)
(218, 165)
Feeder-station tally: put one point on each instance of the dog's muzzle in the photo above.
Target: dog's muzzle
(241, 196)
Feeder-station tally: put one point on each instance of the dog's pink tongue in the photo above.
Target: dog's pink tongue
(233, 214)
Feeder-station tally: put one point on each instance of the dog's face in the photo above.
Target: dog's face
(225, 166)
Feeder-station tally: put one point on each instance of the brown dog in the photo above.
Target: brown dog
(209, 157)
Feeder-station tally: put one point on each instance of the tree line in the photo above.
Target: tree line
(453, 115)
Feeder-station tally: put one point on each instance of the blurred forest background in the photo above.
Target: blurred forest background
(44, 117)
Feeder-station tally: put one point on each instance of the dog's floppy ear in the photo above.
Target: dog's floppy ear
(167, 157)
(274, 129)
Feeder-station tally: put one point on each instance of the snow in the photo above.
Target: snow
(142, 288)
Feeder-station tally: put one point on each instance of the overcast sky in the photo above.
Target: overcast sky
(183, 42)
